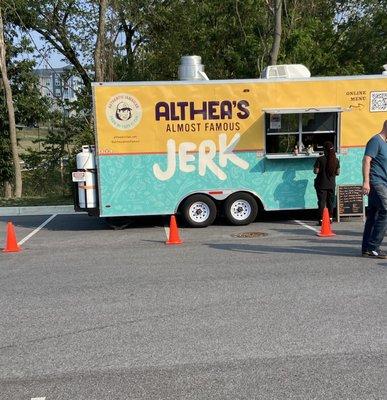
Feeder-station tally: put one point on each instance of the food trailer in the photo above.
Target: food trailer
(201, 147)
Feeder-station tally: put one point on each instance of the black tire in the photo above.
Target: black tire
(199, 211)
(240, 209)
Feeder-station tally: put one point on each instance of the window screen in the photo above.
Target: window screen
(286, 131)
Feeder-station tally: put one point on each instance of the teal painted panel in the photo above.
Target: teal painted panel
(128, 185)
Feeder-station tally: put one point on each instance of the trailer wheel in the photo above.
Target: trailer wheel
(199, 211)
(240, 209)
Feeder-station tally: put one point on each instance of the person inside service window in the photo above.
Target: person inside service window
(326, 167)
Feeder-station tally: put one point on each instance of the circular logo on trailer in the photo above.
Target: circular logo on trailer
(123, 111)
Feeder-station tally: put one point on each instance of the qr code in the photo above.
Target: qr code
(378, 101)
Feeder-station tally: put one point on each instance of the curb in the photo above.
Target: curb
(36, 210)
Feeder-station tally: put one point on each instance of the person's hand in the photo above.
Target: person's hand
(366, 188)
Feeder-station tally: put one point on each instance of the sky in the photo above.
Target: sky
(45, 59)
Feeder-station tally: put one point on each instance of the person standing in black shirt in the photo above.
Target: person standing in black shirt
(326, 167)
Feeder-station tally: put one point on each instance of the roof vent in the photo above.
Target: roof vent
(287, 71)
(192, 69)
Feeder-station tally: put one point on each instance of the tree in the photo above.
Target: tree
(6, 168)
(11, 113)
(132, 20)
(275, 48)
(69, 27)
(308, 32)
(229, 36)
(66, 25)
(361, 44)
(30, 108)
(99, 54)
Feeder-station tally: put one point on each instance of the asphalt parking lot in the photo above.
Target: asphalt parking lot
(88, 312)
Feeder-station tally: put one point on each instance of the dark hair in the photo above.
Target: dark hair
(123, 107)
(330, 154)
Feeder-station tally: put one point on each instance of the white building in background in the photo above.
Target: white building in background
(58, 84)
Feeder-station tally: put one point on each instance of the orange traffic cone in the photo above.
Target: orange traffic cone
(326, 225)
(173, 232)
(11, 245)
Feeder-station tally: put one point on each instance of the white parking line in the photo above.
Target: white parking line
(305, 225)
(166, 228)
(37, 230)
(38, 398)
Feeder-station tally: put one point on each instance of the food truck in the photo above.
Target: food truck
(202, 147)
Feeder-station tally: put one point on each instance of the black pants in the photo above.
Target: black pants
(325, 198)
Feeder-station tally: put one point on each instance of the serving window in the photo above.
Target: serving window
(301, 132)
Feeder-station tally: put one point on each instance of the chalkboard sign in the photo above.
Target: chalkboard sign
(350, 201)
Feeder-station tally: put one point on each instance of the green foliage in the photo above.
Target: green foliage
(6, 170)
(234, 37)
(225, 34)
(362, 35)
(44, 200)
(50, 182)
(30, 107)
(67, 132)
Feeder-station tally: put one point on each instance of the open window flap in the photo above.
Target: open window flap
(304, 110)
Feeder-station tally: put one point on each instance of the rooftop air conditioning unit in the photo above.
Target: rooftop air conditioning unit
(288, 71)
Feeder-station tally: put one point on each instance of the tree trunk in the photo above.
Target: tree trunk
(99, 59)
(277, 33)
(11, 112)
(7, 190)
(129, 33)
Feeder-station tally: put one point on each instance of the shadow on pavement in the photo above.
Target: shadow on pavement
(82, 222)
(307, 249)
